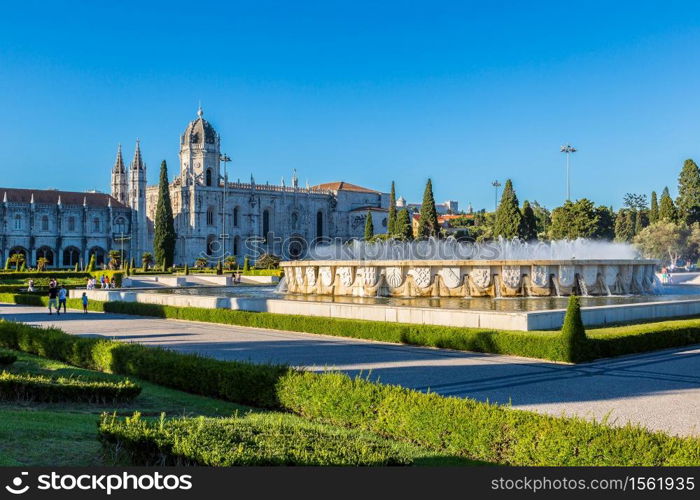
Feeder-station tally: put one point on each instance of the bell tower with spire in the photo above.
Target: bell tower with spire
(199, 153)
(119, 180)
(137, 202)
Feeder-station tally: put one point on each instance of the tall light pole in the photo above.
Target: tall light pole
(568, 149)
(225, 159)
(495, 185)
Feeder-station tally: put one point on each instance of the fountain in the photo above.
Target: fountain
(450, 268)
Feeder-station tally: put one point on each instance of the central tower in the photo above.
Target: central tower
(199, 153)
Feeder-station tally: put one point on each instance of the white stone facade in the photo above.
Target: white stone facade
(254, 218)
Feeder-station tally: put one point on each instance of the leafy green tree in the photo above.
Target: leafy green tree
(404, 227)
(369, 226)
(508, 216)
(624, 225)
(664, 240)
(579, 219)
(164, 235)
(688, 201)
(543, 217)
(667, 210)
(528, 223)
(605, 224)
(391, 224)
(654, 210)
(115, 259)
(428, 223)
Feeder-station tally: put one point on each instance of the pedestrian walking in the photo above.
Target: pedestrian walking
(53, 297)
(85, 303)
(62, 296)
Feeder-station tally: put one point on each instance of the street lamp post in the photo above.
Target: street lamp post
(495, 185)
(225, 159)
(568, 149)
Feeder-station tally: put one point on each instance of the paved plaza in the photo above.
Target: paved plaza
(659, 390)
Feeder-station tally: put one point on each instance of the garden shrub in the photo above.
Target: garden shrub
(7, 357)
(254, 440)
(246, 383)
(573, 334)
(39, 388)
(459, 427)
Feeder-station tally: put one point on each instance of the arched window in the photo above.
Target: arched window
(235, 217)
(319, 224)
(236, 245)
(213, 245)
(210, 216)
(96, 225)
(71, 255)
(295, 220)
(46, 253)
(71, 223)
(99, 254)
(266, 224)
(120, 225)
(45, 223)
(18, 222)
(208, 175)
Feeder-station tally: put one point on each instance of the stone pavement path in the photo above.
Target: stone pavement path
(659, 390)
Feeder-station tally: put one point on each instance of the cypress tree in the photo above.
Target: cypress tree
(528, 223)
(573, 333)
(164, 236)
(654, 210)
(246, 263)
(187, 270)
(428, 222)
(667, 210)
(91, 264)
(688, 201)
(391, 224)
(508, 216)
(369, 227)
(404, 228)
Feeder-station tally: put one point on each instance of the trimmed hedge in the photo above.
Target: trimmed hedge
(245, 383)
(61, 275)
(456, 426)
(544, 345)
(38, 388)
(255, 440)
(479, 430)
(7, 357)
(551, 345)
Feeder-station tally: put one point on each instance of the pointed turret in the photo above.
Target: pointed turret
(59, 200)
(120, 185)
(137, 162)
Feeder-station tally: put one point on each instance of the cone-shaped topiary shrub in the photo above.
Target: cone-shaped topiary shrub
(573, 334)
(187, 270)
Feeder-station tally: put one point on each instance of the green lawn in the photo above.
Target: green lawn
(65, 434)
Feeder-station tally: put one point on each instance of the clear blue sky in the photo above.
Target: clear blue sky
(367, 92)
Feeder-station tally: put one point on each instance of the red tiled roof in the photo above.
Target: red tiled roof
(50, 197)
(371, 209)
(344, 186)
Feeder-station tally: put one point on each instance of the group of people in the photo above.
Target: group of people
(665, 276)
(58, 296)
(104, 282)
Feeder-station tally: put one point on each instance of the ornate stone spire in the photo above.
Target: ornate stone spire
(32, 200)
(137, 162)
(4, 197)
(119, 162)
(59, 200)
(200, 111)
(295, 179)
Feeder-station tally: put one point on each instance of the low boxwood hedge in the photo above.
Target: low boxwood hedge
(7, 357)
(38, 388)
(255, 440)
(460, 427)
(241, 382)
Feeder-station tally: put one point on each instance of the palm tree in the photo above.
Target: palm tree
(146, 260)
(115, 259)
(41, 263)
(230, 262)
(17, 259)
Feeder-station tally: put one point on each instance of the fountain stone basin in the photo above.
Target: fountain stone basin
(469, 278)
